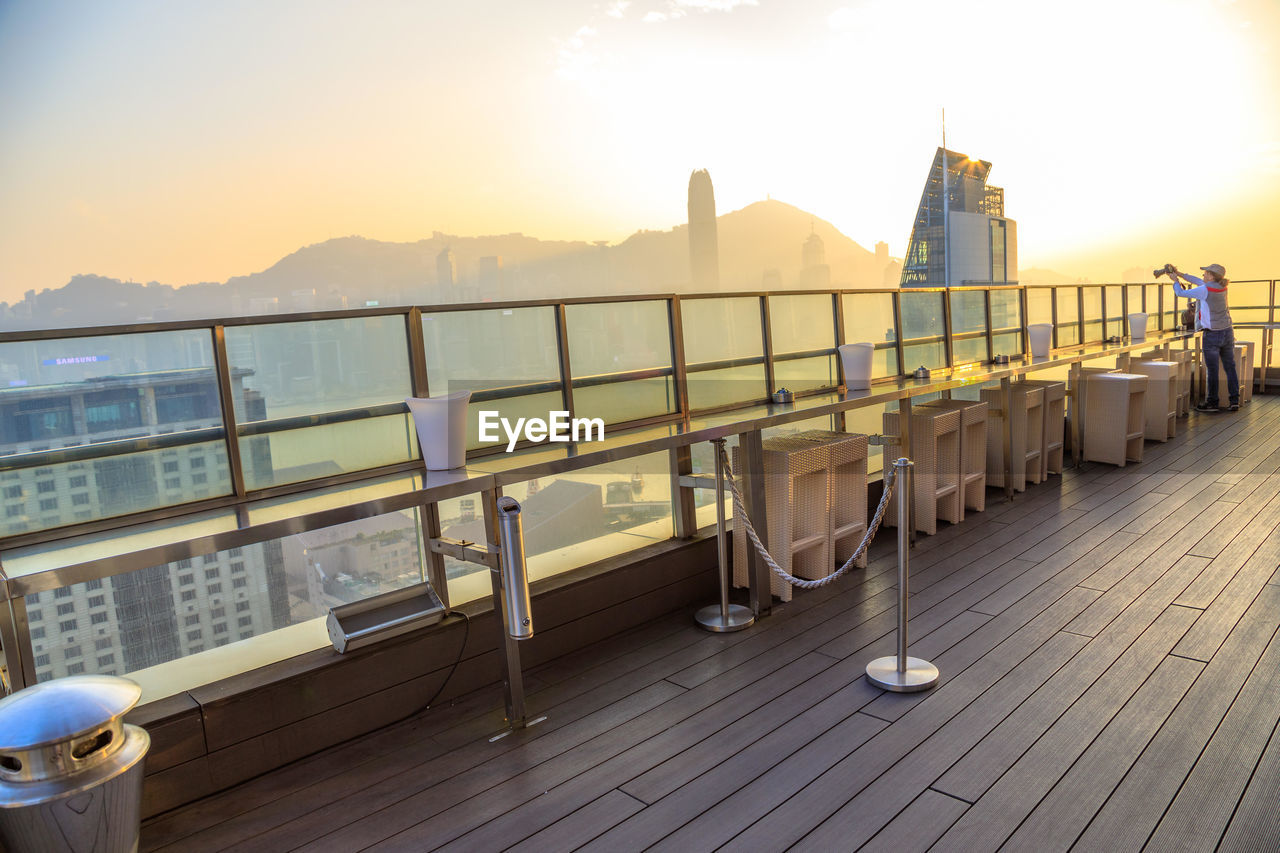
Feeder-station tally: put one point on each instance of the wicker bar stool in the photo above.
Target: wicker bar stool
(935, 450)
(1026, 435)
(1113, 426)
(1055, 424)
(1161, 407)
(847, 489)
(798, 511)
(973, 451)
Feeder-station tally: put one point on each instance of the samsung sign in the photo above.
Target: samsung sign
(75, 359)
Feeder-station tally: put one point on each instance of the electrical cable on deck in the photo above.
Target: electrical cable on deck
(740, 512)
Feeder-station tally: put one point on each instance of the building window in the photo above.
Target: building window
(13, 492)
(242, 606)
(42, 660)
(197, 461)
(188, 594)
(217, 612)
(171, 467)
(75, 668)
(199, 479)
(192, 620)
(183, 580)
(194, 635)
(184, 564)
(215, 588)
(62, 592)
(97, 600)
(72, 652)
(244, 621)
(210, 574)
(195, 650)
(48, 504)
(98, 618)
(37, 633)
(13, 511)
(222, 641)
(80, 499)
(102, 643)
(44, 487)
(220, 628)
(106, 660)
(210, 558)
(237, 583)
(96, 583)
(234, 552)
(173, 483)
(67, 625)
(237, 568)
(66, 609)
(34, 615)
(80, 482)
(245, 635)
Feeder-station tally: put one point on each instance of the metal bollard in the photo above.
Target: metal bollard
(899, 673)
(515, 578)
(70, 768)
(724, 617)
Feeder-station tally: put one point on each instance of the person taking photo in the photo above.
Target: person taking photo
(1218, 341)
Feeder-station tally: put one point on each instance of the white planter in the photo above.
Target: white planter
(1041, 336)
(1138, 326)
(442, 429)
(856, 359)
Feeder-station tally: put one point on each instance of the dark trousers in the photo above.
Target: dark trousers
(1220, 347)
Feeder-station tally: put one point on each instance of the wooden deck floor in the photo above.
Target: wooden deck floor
(1110, 681)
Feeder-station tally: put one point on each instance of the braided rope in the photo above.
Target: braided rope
(740, 512)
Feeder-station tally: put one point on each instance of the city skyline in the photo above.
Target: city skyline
(185, 144)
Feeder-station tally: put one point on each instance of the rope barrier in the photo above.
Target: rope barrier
(740, 512)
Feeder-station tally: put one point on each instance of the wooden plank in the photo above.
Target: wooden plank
(918, 826)
(1261, 526)
(999, 810)
(1139, 802)
(1203, 640)
(779, 808)
(581, 826)
(1204, 805)
(1063, 814)
(1256, 823)
(1149, 573)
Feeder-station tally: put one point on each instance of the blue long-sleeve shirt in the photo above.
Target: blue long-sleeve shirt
(1211, 312)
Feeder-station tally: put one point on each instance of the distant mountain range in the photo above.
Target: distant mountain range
(759, 245)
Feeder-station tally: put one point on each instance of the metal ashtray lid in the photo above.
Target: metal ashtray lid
(921, 372)
(63, 710)
(782, 395)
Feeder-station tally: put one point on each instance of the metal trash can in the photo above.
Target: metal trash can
(70, 768)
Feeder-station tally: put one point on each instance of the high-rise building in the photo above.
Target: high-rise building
(815, 274)
(489, 278)
(446, 270)
(704, 246)
(968, 240)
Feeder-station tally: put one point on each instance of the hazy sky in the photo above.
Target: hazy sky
(192, 141)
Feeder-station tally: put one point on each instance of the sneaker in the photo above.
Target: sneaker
(1234, 407)
(1205, 407)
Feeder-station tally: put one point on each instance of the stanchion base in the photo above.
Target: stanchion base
(920, 674)
(740, 617)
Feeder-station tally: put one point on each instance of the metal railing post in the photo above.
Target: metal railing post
(723, 617)
(900, 673)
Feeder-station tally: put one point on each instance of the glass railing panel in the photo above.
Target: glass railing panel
(103, 426)
(570, 520)
(802, 322)
(1006, 322)
(1249, 301)
(1007, 343)
(1066, 299)
(922, 330)
(723, 351)
(806, 374)
(868, 318)
(968, 314)
(175, 626)
(1039, 305)
(611, 339)
(1114, 307)
(1151, 293)
(1092, 306)
(309, 453)
(320, 397)
(1134, 293)
(508, 358)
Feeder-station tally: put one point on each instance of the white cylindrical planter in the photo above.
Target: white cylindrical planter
(1138, 326)
(1041, 336)
(856, 359)
(442, 429)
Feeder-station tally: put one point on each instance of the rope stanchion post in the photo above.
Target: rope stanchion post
(900, 673)
(723, 617)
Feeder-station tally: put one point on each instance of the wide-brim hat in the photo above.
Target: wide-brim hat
(1217, 269)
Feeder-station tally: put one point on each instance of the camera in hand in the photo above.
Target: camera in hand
(1167, 269)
